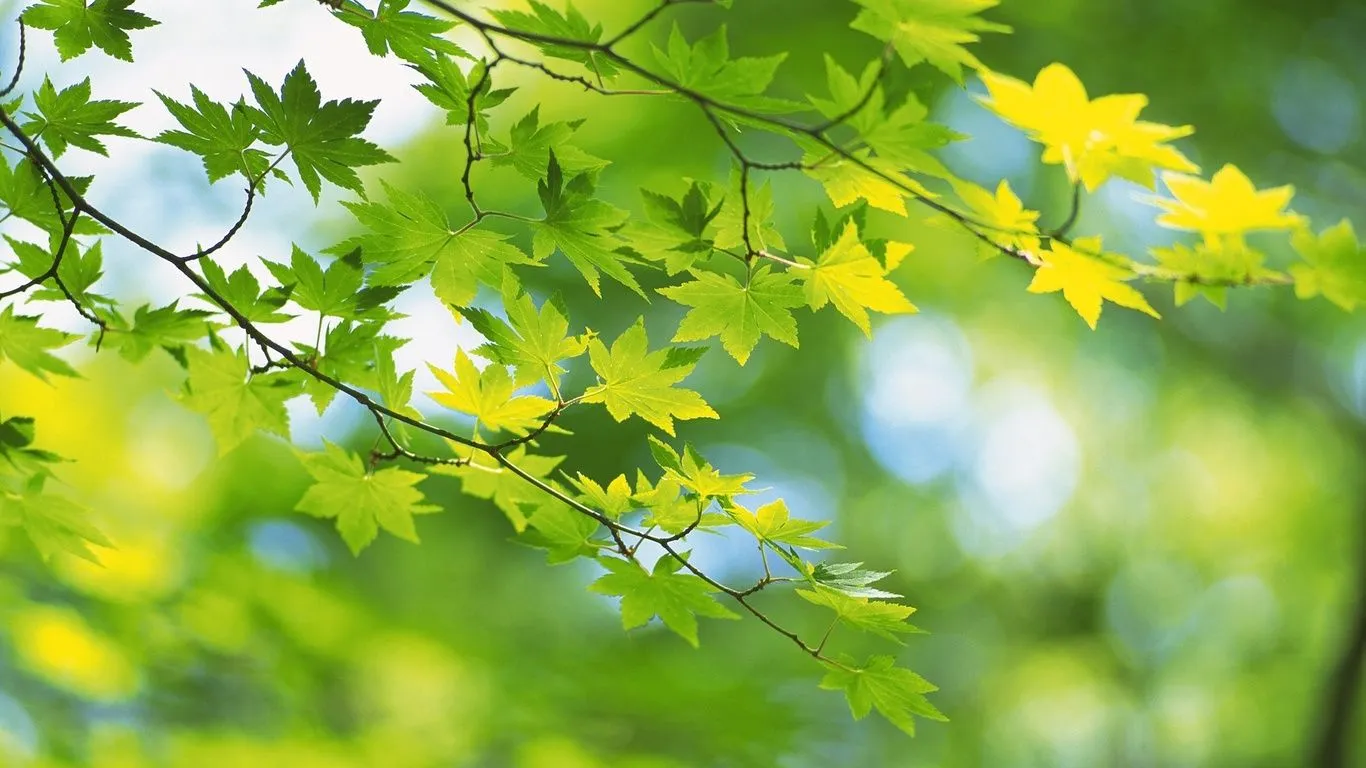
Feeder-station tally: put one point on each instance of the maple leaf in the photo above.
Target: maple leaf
(220, 385)
(1334, 265)
(636, 381)
(321, 137)
(739, 314)
(850, 277)
(336, 291)
(1085, 281)
(549, 23)
(897, 693)
(565, 532)
(773, 523)
(1225, 259)
(243, 291)
(168, 327)
(1092, 139)
(729, 221)
(411, 234)
(1227, 204)
(934, 31)
(1008, 223)
(579, 225)
(509, 493)
(361, 502)
(53, 523)
(533, 341)
(677, 599)
(69, 118)
(863, 176)
(223, 139)
(414, 37)
(613, 501)
(695, 473)
(77, 26)
(488, 396)
(530, 145)
(706, 67)
(27, 345)
(880, 618)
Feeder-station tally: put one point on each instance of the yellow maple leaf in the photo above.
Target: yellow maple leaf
(1093, 139)
(488, 396)
(1006, 221)
(1085, 280)
(849, 276)
(1227, 204)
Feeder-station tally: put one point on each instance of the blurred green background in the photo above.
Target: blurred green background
(1133, 547)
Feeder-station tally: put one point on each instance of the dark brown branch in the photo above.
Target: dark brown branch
(1342, 694)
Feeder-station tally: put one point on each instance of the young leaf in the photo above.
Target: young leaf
(321, 138)
(636, 381)
(220, 386)
(54, 524)
(706, 67)
(1223, 259)
(849, 276)
(739, 314)
(27, 345)
(929, 30)
(898, 694)
(69, 118)
(362, 502)
(678, 599)
(488, 396)
(568, 534)
(530, 145)
(613, 501)
(77, 26)
(1086, 281)
(696, 473)
(863, 176)
(510, 493)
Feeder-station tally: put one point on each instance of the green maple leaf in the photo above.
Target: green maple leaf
(220, 385)
(850, 277)
(897, 693)
(27, 345)
(243, 292)
(79, 271)
(1227, 260)
(696, 473)
(69, 118)
(448, 88)
(168, 327)
(510, 493)
(362, 502)
(569, 25)
(24, 193)
(739, 314)
(763, 234)
(338, 291)
(676, 230)
(410, 36)
(77, 26)
(530, 144)
(580, 225)
(221, 138)
(321, 138)
(533, 341)
(636, 381)
(677, 599)
(706, 67)
(411, 235)
(488, 396)
(53, 523)
(1334, 265)
(773, 523)
(880, 618)
(929, 30)
(568, 534)
(848, 578)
